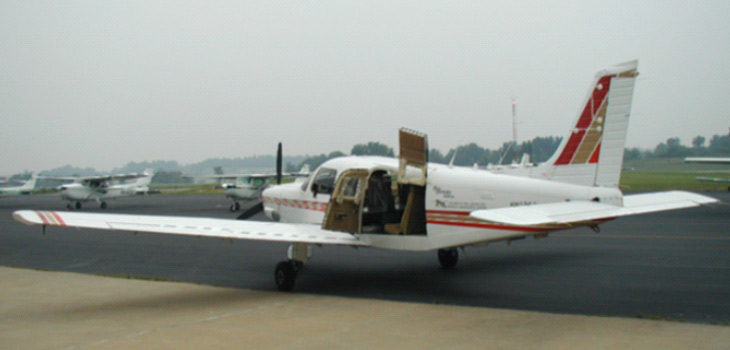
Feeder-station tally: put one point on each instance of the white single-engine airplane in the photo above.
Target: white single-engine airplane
(710, 160)
(410, 204)
(103, 188)
(246, 187)
(24, 189)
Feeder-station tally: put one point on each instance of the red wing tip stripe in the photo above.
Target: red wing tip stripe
(58, 218)
(43, 218)
(50, 218)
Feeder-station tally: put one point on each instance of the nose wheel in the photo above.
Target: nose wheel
(235, 207)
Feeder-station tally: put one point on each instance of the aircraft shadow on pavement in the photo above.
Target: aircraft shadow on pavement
(188, 300)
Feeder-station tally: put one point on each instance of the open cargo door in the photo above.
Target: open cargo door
(413, 157)
(412, 173)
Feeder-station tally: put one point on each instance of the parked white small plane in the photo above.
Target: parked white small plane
(246, 187)
(410, 204)
(24, 189)
(710, 160)
(102, 188)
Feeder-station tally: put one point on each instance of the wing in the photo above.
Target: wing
(95, 178)
(577, 212)
(199, 227)
(712, 179)
(67, 178)
(124, 176)
(709, 160)
(229, 176)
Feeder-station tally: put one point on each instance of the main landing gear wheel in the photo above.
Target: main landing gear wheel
(235, 207)
(448, 257)
(286, 274)
(78, 205)
(103, 205)
(69, 206)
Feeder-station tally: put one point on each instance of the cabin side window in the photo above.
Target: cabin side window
(324, 182)
(258, 181)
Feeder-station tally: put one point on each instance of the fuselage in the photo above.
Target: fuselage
(85, 190)
(245, 187)
(451, 194)
(24, 189)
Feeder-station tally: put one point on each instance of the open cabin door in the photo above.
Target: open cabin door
(344, 211)
(382, 201)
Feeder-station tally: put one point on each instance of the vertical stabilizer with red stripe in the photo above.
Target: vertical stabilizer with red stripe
(592, 152)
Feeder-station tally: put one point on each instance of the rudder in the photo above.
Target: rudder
(592, 154)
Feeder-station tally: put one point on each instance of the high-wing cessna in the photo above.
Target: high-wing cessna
(710, 160)
(410, 204)
(102, 188)
(25, 188)
(250, 186)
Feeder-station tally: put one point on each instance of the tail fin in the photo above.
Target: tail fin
(592, 153)
(30, 184)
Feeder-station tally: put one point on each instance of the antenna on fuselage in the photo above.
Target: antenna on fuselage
(514, 133)
(453, 158)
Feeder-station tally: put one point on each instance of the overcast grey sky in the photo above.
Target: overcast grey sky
(102, 83)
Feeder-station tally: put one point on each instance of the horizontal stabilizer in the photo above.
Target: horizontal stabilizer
(551, 213)
(586, 211)
(199, 227)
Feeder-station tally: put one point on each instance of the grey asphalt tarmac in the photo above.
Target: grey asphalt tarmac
(671, 265)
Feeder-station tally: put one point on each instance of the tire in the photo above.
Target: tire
(78, 205)
(285, 275)
(103, 205)
(448, 258)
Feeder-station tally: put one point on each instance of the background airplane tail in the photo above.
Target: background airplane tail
(592, 153)
(30, 184)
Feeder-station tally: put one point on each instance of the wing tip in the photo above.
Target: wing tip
(27, 217)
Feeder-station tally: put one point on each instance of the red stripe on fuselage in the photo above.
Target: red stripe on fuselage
(448, 212)
(492, 226)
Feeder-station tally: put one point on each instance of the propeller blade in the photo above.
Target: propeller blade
(251, 211)
(278, 165)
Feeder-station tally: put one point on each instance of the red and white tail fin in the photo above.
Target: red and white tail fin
(593, 151)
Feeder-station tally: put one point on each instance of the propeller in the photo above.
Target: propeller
(278, 164)
(259, 207)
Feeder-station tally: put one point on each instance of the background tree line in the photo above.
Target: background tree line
(539, 149)
(718, 146)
